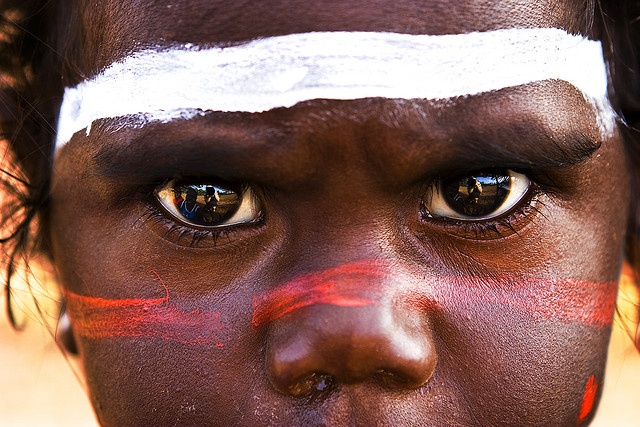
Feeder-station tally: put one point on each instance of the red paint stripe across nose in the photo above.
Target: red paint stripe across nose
(342, 286)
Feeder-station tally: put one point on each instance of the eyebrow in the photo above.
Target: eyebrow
(164, 84)
(226, 145)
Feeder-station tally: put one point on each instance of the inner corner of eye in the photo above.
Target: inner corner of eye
(480, 195)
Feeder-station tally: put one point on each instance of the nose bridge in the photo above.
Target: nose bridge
(343, 323)
(348, 285)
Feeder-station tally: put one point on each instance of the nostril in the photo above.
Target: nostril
(390, 379)
(397, 380)
(324, 382)
(311, 385)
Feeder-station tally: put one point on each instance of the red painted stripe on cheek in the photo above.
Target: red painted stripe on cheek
(542, 299)
(342, 286)
(590, 391)
(98, 318)
(568, 300)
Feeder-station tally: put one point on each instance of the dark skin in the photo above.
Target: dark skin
(340, 182)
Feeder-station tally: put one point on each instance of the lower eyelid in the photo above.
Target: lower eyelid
(512, 223)
(183, 236)
(152, 218)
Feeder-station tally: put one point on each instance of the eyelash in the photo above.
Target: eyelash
(496, 228)
(176, 232)
(153, 214)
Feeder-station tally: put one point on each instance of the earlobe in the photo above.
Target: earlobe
(64, 334)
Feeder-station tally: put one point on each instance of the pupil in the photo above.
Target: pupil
(477, 195)
(205, 204)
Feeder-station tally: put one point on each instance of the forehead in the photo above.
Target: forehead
(109, 30)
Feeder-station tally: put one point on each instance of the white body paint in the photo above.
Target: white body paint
(180, 83)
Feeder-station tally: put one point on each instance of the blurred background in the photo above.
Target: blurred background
(39, 387)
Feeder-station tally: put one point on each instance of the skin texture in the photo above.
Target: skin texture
(459, 324)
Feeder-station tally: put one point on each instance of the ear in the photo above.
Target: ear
(64, 334)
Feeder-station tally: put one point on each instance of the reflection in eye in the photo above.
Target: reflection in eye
(208, 205)
(479, 196)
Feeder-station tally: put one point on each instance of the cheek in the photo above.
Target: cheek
(556, 300)
(100, 318)
(515, 342)
(154, 381)
(167, 359)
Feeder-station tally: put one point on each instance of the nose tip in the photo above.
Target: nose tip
(324, 344)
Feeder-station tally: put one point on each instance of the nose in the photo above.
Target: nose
(343, 328)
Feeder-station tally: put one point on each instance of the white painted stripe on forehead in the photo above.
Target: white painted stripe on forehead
(170, 83)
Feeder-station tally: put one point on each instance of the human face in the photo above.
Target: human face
(343, 298)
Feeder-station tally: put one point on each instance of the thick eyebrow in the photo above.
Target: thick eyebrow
(168, 83)
(543, 125)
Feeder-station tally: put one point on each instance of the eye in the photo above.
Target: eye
(208, 205)
(478, 196)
